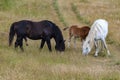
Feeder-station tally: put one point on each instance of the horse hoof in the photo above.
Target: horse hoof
(26, 44)
(95, 55)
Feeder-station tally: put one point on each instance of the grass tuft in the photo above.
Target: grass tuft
(60, 16)
(78, 16)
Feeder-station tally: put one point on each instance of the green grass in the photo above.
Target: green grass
(60, 16)
(6, 4)
(35, 64)
(78, 16)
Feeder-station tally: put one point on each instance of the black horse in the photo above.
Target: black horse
(44, 30)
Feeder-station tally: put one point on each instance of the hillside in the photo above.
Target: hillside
(35, 64)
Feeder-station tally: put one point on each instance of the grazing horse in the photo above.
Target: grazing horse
(98, 31)
(44, 30)
(76, 32)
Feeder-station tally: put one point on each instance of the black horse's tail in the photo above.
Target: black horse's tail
(11, 34)
(65, 28)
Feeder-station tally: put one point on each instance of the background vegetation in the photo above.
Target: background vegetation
(35, 64)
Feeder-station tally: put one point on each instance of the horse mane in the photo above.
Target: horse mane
(57, 31)
(91, 35)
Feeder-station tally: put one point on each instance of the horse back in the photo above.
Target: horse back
(83, 32)
(40, 30)
(74, 30)
(80, 32)
(21, 27)
(101, 26)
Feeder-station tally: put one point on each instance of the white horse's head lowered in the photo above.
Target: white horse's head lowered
(87, 46)
(88, 43)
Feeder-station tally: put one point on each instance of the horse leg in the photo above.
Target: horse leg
(48, 43)
(82, 43)
(74, 42)
(19, 42)
(105, 45)
(42, 43)
(16, 43)
(102, 46)
(69, 40)
(26, 41)
(96, 48)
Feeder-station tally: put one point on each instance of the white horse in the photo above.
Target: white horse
(98, 31)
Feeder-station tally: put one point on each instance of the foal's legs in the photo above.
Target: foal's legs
(74, 42)
(69, 40)
(82, 43)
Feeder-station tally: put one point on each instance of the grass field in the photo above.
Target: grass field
(35, 64)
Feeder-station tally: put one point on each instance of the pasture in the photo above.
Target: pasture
(35, 64)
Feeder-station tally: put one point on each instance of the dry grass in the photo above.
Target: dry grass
(35, 64)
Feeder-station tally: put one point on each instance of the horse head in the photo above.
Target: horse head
(86, 48)
(60, 46)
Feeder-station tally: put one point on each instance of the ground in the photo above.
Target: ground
(35, 64)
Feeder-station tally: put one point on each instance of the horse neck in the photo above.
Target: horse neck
(57, 36)
(91, 36)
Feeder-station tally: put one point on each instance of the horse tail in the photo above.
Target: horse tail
(11, 34)
(65, 28)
